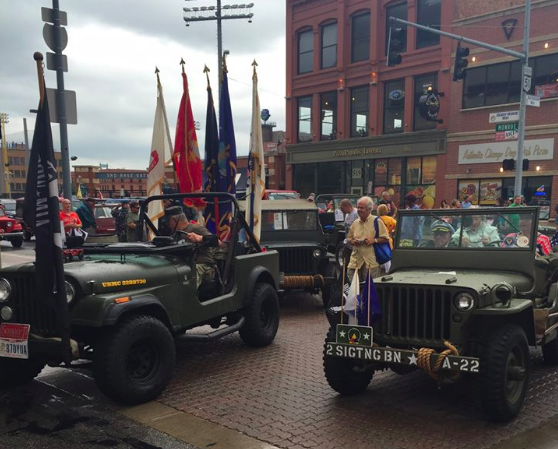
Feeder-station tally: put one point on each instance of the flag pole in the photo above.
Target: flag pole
(343, 290)
(212, 181)
(369, 281)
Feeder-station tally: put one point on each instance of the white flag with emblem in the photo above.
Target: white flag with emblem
(256, 166)
(160, 157)
(352, 299)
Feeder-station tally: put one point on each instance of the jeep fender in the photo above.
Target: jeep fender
(258, 274)
(147, 304)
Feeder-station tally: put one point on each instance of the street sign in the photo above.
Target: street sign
(51, 62)
(527, 74)
(513, 126)
(532, 100)
(48, 34)
(500, 136)
(499, 117)
(47, 14)
(71, 106)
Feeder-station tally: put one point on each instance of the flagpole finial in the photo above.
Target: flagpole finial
(254, 64)
(38, 57)
(206, 71)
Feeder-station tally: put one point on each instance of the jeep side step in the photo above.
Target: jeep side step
(212, 335)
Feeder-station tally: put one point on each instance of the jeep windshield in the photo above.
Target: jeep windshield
(290, 220)
(482, 229)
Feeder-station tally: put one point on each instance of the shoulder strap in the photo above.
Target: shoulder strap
(376, 226)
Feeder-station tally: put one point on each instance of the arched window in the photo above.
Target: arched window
(360, 36)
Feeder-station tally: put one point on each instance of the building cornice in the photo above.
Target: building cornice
(503, 12)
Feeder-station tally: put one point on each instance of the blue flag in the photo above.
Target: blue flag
(369, 297)
(226, 160)
(211, 168)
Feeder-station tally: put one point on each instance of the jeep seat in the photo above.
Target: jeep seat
(542, 268)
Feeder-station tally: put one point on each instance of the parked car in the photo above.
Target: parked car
(280, 195)
(465, 297)
(128, 302)
(10, 230)
(9, 207)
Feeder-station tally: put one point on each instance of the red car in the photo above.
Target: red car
(11, 230)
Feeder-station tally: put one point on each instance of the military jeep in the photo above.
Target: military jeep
(293, 229)
(466, 297)
(127, 304)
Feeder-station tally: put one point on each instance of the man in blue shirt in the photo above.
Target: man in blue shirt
(86, 213)
(411, 227)
(466, 203)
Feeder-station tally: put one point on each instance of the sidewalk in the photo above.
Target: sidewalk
(542, 437)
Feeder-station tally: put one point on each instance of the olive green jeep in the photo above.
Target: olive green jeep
(467, 295)
(127, 304)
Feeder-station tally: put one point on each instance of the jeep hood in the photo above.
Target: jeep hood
(467, 279)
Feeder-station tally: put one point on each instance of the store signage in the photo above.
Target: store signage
(499, 117)
(547, 90)
(429, 106)
(506, 131)
(396, 95)
(487, 153)
(118, 175)
(532, 100)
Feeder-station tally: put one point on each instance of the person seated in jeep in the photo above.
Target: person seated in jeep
(195, 233)
(477, 234)
(441, 235)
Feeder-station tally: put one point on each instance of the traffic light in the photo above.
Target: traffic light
(525, 164)
(508, 164)
(396, 43)
(461, 63)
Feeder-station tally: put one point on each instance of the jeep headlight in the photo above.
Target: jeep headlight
(317, 253)
(70, 292)
(5, 290)
(464, 302)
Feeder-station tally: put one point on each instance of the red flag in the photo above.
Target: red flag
(187, 162)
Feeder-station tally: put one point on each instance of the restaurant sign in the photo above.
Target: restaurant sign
(486, 153)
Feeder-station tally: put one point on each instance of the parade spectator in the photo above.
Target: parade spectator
(132, 220)
(390, 222)
(120, 213)
(86, 213)
(386, 199)
(362, 236)
(411, 228)
(521, 239)
(195, 233)
(477, 235)
(517, 201)
(500, 202)
(456, 204)
(351, 215)
(444, 205)
(311, 198)
(69, 218)
(466, 203)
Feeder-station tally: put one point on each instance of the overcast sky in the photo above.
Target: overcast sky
(113, 48)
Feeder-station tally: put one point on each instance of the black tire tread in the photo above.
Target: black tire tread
(252, 332)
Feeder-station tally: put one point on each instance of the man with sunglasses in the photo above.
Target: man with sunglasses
(132, 220)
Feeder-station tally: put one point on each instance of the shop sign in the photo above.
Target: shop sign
(487, 153)
(499, 117)
(429, 106)
(547, 90)
(121, 175)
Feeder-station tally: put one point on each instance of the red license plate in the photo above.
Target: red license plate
(14, 331)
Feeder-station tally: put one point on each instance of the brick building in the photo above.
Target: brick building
(344, 106)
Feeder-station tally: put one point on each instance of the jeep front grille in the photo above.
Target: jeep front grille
(296, 260)
(413, 315)
(28, 310)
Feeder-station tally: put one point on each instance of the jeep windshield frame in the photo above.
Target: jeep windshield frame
(486, 239)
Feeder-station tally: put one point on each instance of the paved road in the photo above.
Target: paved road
(12, 256)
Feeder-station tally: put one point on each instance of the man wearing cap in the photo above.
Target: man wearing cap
(86, 213)
(120, 213)
(441, 234)
(132, 220)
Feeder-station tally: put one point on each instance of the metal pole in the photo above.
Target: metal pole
(61, 100)
(26, 143)
(219, 50)
(522, 105)
(3, 121)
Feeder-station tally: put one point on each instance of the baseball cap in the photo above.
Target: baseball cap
(441, 226)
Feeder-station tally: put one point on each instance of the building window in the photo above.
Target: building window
(329, 45)
(394, 106)
(429, 14)
(360, 37)
(305, 119)
(546, 75)
(492, 85)
(328, 109)
(305, 51)
(399, 11)
(304, 179)
(359, 111)
(422, 84)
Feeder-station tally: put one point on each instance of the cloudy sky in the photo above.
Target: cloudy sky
(113, 48)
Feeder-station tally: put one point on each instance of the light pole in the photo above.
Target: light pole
(4, 118)
(218, 13)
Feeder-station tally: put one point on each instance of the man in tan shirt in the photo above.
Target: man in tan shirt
(362, 237)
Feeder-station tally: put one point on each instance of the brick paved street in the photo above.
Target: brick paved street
(279, 395)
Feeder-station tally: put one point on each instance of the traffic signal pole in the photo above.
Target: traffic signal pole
(526, 71)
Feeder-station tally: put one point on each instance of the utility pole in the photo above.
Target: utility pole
(4, 118)
(218, 13)
(526, 83)
(27, 152)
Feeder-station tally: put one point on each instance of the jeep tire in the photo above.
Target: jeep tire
(133, 362)
(550, 352)
(16, 242)
(504, 375)
(262, 317)
(14, 372)
(341, 374)
(26, 234)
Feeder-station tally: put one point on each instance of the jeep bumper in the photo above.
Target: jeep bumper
(10, 235)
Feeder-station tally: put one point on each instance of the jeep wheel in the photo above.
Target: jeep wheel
(26, 235)
(346, 376)
(331, 271)
(550, 352)
(14, 373)
(133, 362)
(262, 317)
(340, 253)
(504, 373)
(17, 242)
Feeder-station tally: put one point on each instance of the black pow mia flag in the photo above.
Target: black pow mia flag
(41, 212)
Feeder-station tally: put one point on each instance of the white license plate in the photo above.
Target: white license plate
(14, 340)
